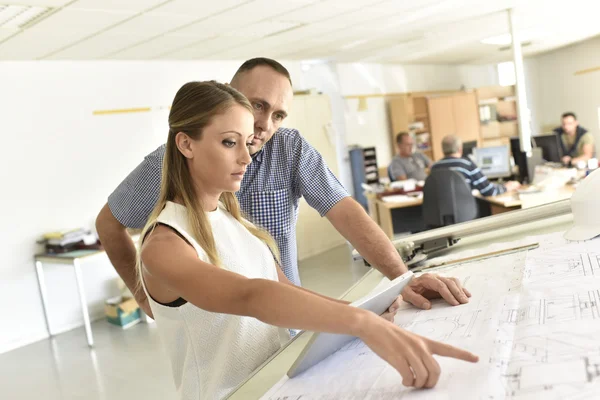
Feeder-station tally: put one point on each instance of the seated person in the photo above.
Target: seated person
(452, 148)
(408, 164)
(576, 142)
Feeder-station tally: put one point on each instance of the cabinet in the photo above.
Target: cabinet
(440, 115)
(453, 115)
(311, 116)
(498, 115)
(363, 163)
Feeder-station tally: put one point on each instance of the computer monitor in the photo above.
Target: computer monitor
(468, 148)
(520, 159)
(550, 147)
(526, 164)
(494, 162)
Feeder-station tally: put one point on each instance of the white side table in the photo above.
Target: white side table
(74, 258)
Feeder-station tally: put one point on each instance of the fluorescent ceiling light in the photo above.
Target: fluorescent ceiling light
(19, 17)
(506, 39)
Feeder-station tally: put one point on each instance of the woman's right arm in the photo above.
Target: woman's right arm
(175, 264)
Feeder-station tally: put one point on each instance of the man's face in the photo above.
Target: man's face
(569, 125)
(270, 94)
(405, 148)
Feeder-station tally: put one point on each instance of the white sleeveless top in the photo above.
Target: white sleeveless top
(212, 353)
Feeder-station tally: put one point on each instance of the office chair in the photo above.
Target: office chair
(389, 171)
(447, 199)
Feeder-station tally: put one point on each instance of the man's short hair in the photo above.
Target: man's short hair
(569, 114)
(400, 137)
(451, 144)
(262, 61)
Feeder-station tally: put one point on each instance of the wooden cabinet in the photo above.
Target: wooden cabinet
(441, 115)
(311, 115)
(498, 115)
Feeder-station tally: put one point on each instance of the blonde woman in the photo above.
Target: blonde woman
(211, 277)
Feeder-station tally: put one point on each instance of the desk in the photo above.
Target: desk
(501, 203)
(261, 380)
(74, 258)
(384, 212)
(498, 204)
(514, 201)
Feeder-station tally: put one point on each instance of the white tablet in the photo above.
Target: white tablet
(322, 345)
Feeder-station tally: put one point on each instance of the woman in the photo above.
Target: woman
(211, 277)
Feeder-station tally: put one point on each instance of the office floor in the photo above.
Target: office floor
(130, 364)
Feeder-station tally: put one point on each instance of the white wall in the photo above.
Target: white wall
(532, 89)
(561, 90)
(60, 163)
(324, 78)
(371, 127)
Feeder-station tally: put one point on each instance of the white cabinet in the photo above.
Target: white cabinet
(311, 116)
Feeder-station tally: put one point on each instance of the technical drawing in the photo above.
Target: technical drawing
(563, 361)
(534, 316)
(554, 309)
(444, 328)
(556, 267)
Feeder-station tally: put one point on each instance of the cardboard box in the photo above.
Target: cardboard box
(122, 311)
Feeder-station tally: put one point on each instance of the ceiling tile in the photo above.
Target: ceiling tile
(205, 48)
(43, 3)
(98, 46)
(59, 30)
(200, 9)
(127, 5)
(156, 47)
(6, 33)
(245, 14)
(152, 23)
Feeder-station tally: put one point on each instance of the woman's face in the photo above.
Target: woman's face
(219, 158)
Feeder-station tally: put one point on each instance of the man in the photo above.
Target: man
(577, 144)
(284, 168)
(408, 164)
(452, 148)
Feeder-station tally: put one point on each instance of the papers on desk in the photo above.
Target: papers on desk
(401, 198)
(533, 320)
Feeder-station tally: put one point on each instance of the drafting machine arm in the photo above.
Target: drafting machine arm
(416, 247)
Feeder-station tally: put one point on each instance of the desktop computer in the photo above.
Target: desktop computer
(527, 164)
(551, 150)
(468, 148)
(494, 162)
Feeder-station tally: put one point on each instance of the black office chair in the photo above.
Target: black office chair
(447, 199)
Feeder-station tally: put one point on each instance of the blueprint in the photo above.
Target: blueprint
(533, 320)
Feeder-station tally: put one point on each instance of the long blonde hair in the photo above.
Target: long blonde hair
(194, 107)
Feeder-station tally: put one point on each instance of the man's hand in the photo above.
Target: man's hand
(427, 287)
(566, 160)
(391, 311)
(511, 186)
(142, 301)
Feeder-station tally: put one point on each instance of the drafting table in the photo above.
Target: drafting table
(275, 368)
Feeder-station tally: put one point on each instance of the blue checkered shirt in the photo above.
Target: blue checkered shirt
(287, 168)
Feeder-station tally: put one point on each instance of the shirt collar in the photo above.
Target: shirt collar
(258, 156)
